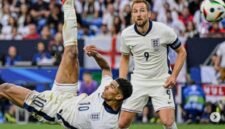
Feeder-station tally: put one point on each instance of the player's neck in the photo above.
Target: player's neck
(115, 105)
(144, 29)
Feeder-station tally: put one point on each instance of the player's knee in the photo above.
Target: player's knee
(167, 122)
(71, 51)
(5, 87)
(124, 123)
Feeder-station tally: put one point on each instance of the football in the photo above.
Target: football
(213, 10)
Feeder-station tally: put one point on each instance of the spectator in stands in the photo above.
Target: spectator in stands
(194, 5)
(108, 16)
(56, 48)
(42, 57)
(126, 15)
(219, 62)
(45, 33)
(103, 31)
(12, 56)
(23, 12)
(216, 31)
(6, 13)
(7, 29)
(117, 25)
(88, 85)
(186, 16)
(191, 31)
(14, 35)
(193, 103)
(87, 31)
(101, 7)
(32, 33)
(55, 18)
(91, 9)
(39, 11)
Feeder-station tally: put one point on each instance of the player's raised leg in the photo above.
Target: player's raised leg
(67, 74)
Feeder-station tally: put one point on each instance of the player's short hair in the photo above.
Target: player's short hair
(125, 86)
(141, 1)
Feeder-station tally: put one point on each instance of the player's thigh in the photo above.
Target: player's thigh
(162, 98)
(45, 105)
(69, 66)
(138, 99)
(65, 89)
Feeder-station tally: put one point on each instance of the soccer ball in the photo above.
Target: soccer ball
(213, 10)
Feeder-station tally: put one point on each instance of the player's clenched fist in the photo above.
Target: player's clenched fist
(90, 50)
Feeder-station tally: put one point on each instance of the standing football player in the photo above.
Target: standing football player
(148, 42)
(100, 110)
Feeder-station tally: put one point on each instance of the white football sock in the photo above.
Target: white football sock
(70, 24)
(174, 126)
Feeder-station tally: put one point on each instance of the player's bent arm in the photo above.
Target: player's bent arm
(106, 70)
(124, 65)
(181, 56)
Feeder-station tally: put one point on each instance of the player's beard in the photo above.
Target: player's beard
(141, 24)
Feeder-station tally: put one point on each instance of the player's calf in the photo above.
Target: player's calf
(71, 52)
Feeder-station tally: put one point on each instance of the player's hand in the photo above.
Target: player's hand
(170, 82)
(90, 50)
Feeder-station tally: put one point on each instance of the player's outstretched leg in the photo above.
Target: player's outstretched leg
(67, 74)
(15, 94)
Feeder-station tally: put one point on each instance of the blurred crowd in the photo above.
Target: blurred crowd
(33, 19)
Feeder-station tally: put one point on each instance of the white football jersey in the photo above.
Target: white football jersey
(150, 50)
(221, 52)
(93, 113)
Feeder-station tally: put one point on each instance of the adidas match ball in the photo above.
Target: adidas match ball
(213, 10)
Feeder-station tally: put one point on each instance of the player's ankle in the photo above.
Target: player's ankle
(68, 4)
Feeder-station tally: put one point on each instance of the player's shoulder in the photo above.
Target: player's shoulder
(127, 31)
(160, 25)
(222, 44)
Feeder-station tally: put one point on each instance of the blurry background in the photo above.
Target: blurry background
(31, 48)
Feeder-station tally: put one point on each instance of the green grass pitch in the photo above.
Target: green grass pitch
(134, 126)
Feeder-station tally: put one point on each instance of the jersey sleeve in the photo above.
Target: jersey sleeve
(123, 47)
(172, 40)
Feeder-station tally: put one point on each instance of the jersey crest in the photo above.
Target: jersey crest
(95, 116)
(155, 44)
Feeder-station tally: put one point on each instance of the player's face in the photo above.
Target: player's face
(111, 92)
(140, 14)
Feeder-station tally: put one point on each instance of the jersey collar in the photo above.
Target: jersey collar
(109, 109)
(149, 29)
